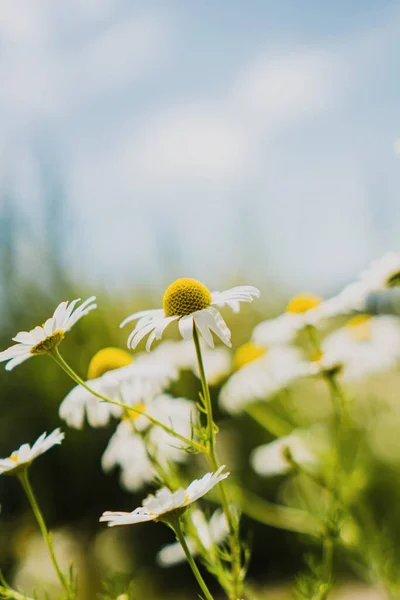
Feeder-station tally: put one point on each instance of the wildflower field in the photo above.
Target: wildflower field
(224, 444)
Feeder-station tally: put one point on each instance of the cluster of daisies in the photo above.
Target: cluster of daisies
(134, 390)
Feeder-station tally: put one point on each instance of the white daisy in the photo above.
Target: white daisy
(283, 329)
(117, 375)
(364, 345)
(182, 354)
(129, 450)
(158, 507)
(209, 533)
(261, 376)
(382, 273)
(43, 339)
(271, 459)
(190, 303)
(26, 454)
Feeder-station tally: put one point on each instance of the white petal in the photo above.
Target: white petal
(142, 313)
(24, 337)
(17, 361)
(186, 327)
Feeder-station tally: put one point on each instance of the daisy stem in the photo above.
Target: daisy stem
(237, 590)
(176, 526)
(24, 479)
(56, 356)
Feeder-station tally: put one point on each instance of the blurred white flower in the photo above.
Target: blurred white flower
(271, 459)
(382, 273)
(191, 304)
(364, 345)
(34, 571)
(262, 377)
(182, 354)
(129, 450)
(159, 506)
(130, 380)
(43, 339)
(283, 329)
(26, 454)
(209, 533)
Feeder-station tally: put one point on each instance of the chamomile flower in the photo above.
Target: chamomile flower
(43, 339)
(272, 459)
(283, 329)
(261, 373)
(129, 450)
(191, 304)
(209, 533)
(159, 507)
(26, 454)
(115, 374)
(364, 345)
(382, 273)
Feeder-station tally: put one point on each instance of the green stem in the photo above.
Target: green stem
(176, 525)
(24, 479)
(237, 591)
(269, 420)
(56, 356)
(13, 594)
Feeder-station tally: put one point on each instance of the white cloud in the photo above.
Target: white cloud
(276, 90)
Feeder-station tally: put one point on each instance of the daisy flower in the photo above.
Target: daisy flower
(283, 329)
(136, 438)
(43, 339)
(382, 273)
(159, 507)
(364, 345)
(272, 459)
(110, 371)
(209, 533)
(26, 454)
(190, 303)
(261, 373)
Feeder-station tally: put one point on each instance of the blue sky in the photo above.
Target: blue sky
(207, 139)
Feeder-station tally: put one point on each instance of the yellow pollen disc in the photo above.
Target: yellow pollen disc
(360, 328)
(184, 297)
(49, 343)
(106, 360)
(131, 415)
(303, 302)
(14, 457)
(247, 353)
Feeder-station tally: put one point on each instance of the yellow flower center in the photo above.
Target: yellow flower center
(14, 457)
(106, 360)
(130, 414)
(49, 343)
(360, 328)
(184, 297)
(303, 302)
(247, 353)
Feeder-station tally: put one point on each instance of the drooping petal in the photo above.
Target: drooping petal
(186, 327)
(17, 361)
(154, 312)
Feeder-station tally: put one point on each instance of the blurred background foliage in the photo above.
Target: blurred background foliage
(73, 490)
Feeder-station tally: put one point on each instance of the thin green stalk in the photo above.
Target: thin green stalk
(24, 479)
(269, 420)
(176, 526)
(237, 591)
(56, 356)
(12, 594)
